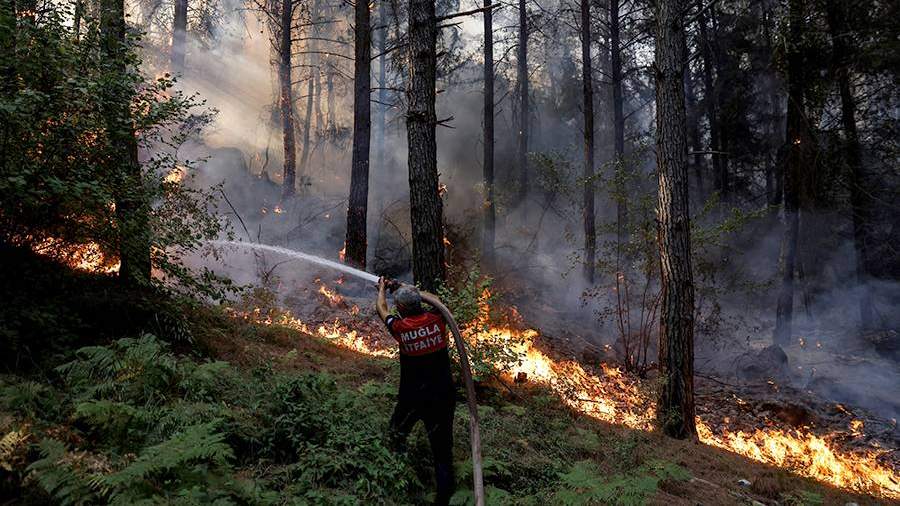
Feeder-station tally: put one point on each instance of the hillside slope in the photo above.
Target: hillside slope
(141, 398)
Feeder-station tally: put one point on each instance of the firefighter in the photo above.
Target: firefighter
(426, 392)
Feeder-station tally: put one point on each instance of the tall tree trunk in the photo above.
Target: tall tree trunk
(362, 122)
(308, 121)
(837, 21)
(179, 36)
(710, 101)
(381, 107)
(522, 76)
(487, 243)
(331, 102)
(615, 67)
(425, 201)
(587, 87)
(799, 143)
(675, 410)
(310, 93)
(132, 208)
(287, 100)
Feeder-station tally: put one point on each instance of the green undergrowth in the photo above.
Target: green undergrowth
(134, 422)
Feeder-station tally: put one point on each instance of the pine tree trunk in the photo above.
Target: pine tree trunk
(330, 100)
(362, 121)
(132, 209)
(77, 17)
(615, 66)
(179, 36)
(799, 142)
(381, 107)
(853, 153)
(587, 87)
(308, 123)
(487, 244)
(675, 409)
(287, 100)
(421, 120)
(522, 76)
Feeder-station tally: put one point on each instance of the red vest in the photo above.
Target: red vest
(420, 334)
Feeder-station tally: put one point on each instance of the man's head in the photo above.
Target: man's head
(408, 300)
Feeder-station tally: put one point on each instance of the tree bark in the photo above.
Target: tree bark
(132, 208)
(421, 120)
(179, 36)
(487, 243)
(799, 143)
(381, 107)
(310, 94)
(522, 76)
(675, 409)
(287, 100)
(615, 68)
(837, 21)
(587, 87)
(362, 123)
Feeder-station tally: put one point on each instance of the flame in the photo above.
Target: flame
(611, 395)
(88, 257)
(277, 210)
(333, 297)
(342, 253)
(175, 176)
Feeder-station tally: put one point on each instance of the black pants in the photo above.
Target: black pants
(437, 415)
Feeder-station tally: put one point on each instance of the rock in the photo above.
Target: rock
(744, 483)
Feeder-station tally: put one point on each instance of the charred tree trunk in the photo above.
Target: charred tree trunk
(362, 123)
(837, 20)
(799, 143)
(425, 200)
(615, 68)
(522, 76)
(308, 121)
(710, 102)
(329, 89)
(675, 410)
(487, 243)
(310, 93)
(179, 36)
(587, 87)
(287, 100)
(132, 208)
(381, 106)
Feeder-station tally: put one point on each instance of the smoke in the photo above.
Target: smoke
(539, 241)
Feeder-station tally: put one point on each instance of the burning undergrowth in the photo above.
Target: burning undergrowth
(782, 427)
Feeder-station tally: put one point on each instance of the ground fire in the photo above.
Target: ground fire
(607, 393)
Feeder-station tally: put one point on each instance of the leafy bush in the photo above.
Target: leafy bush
(67, 108)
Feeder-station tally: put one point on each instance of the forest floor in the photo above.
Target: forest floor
(174, 402)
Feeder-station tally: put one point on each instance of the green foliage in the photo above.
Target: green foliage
(466, 300)
(72, 116)
(583, 484)
(803, 498)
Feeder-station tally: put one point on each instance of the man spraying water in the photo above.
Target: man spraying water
(426, 384)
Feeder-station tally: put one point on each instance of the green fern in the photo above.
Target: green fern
(583, 484)
(60, 476)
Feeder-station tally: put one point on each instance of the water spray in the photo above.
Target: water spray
(475, 434)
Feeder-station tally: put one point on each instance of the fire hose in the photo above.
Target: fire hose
(475, 435)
